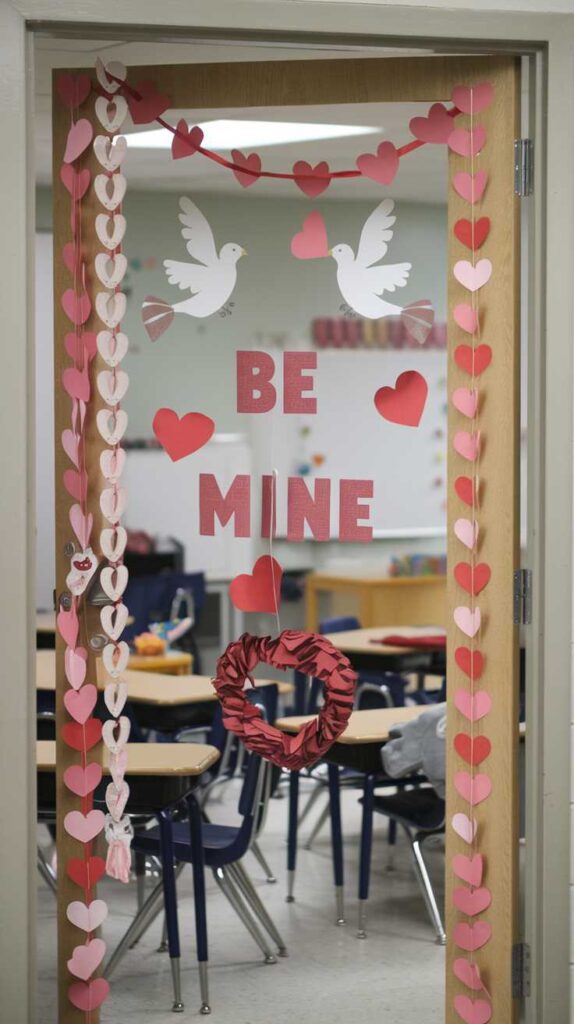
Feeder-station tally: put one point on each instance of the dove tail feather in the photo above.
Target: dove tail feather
(157, 315)
(418, 319)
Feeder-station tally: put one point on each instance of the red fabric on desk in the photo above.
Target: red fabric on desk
(424, 642)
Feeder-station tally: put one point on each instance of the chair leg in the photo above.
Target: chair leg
(317, 827)
(427, 889)
(163, 943)
(392, 842)
(334, 806)
(240, 876)
(229, 890)
(311, 801)
(365, 857)
(262, 861)
(292, 834)
(46, 872)
(198, 868)
(170, 902)
(140, 923)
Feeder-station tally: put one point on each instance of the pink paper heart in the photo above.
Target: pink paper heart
(81, 525)
(88, 918)
(79, 137)
(311, 180)
(472, 277)
(472, 901)
(436, 127)
(71, 257)
(466, 317)
(473, 99)
(464, 827)
(467, 143)
(115, 696)
(477, 1012)
(311, 242)
(76, 383)
(117, 798)
(467, 532)
(88, 995)
(68, 625)
(115, 734)
(80, 703)
(473, 788)
(470, 186)
(382, 166)
(472, 936)
(79, 346)
(76, 484)
(76, 307)
(86, 958)
(82, 781)
(84, 827)
(251, 163)
(76, 182)
(468, 973)
(70, 444)
(467, 620)
(468, 869)
(75, 665)
(118, 765)
(473, 706)
(467, 445)
(465, 400)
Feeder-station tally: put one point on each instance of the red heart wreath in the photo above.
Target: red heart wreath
(311, 654)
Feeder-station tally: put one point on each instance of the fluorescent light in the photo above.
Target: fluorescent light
(245, 134)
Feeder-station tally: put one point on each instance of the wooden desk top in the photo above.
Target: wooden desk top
(327, 579)
(151, 687)
(358, 641)
(143, 758)
(177, 663)
(364, 726)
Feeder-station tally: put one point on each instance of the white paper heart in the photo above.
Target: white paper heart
(118, 765)
(111, 113)
(111, 308)
(110, 229)
(110, 191)
(110, 269)
(113, 543)
(113, 503)
(116, 799)
(112, 463)
(88, 918)
(110, 152)
(114, 580)
(115, 696)
(112, 424)
(113, 384)
(114, 619)
(112, 346)
(83, 565)
(115, 733)
(115, 68)
(115, 658)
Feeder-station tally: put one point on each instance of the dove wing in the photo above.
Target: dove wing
(187, 276)
(376, 233)
(386, 278)
(197, 233)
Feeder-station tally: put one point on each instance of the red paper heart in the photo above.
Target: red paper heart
(180, 437)
(76, 307)
(468, 869)
(405, 402)
(468, 973)
(187, 140)
(311, 180)
(82, 781)
(471, 1011)
(472, 581)
(470, 662)
(84, 873)
(435, 127)
(73, 89)
(149, 104)
(382, 166)
(88, 995)
(472, 99)
(82, 737)
(80, 703)
(261, 591)
(472, 750)
(466, 355)
(77, 383)
(252, 163)
(77, 345)
(76, 182)
(472, 902)
(467, 490)
(473, 236)
(311, 243)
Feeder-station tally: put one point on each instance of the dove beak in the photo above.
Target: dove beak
(244, 252)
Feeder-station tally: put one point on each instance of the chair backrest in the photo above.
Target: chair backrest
(372, 695)
(252, 801)
(340, 624)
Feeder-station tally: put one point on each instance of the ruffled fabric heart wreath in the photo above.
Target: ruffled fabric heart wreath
(309, 653)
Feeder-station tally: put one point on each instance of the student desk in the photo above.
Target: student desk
(179, 663)
(405, 600)
(367, 656)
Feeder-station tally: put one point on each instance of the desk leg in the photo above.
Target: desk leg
(366, 846)
(337, 840)
(292, 834)
(170, 900)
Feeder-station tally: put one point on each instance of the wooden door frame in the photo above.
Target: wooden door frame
(548, 38)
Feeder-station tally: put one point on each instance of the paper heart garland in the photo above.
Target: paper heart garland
(113, 543)
(80, 703)
(467, 620)
(84, 827)
(71, 444)
(468, 973)
(82, 781)
(382, 166)
(118, 765)
(472, 936)
(473, 706)
(88, 995)
(116, 799)
(82, 737)
(113, 503)
(467, 489)
(76, 484)
(114, 619)
(473, 99)
(75, 665)
(467, 445)
(473, 276)
(111, 270)
(148, 105)
(77, 184)
(112, 346)
(464, 827)
(473, 361)
(473, 788)
(435, 128)
(311, 242)
(81, 525)
(181, 437)
(465, 400)
(112, 425)
(79, 137)
(311, 180)
(115, 734)
(114, 68)
(85, 873)
(111, 113)
(76, 307)
(114, 581)
(472, 750)
(469, 869)
(110, 229)
(260, 591)
(186, 141)
(466, 317)
(112, 463)
(73, 89)
(113, 384)
(473, 234)
(111, 309)
(87, 958)
(80, 346)
(467, 143)
(110, 197)
(404, 404)
(115, 696)
(115, 658)
(470, 186)
(88, 918)
(472, 902)
(68, 625)
(473, 1012)
(110, 153)
(472, 579)
(251, 167)
(470, 662)
(467, 532)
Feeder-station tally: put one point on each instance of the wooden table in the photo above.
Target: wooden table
(405, 600)
(363, 726)
(178, 663)
(365, 655)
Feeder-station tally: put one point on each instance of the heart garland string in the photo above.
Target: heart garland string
(473, 705)
(83, 731)
(110, 266)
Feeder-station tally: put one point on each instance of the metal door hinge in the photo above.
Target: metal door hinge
(522, 597)
(520, 970)
(523, 167)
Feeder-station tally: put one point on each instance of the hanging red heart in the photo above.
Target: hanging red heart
(382, 166)
(78, 345)
(467, 489)
(311, 180)
(473, 750)
(436, 127)
(73, 89)
(473, 361)
(472, 99)
(470, 662)
(186, 141)
(472, 580)
(311, 243)
(261, 591)
(403, 404)
(181, 437)
(76, 182)
(472, 235)
(149, 103)
(82, 737)
(85, 873)
(252, 165)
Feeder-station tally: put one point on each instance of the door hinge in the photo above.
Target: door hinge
(523, 167)
(520, 970)
(522, 597)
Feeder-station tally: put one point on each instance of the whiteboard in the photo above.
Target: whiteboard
(406, 464)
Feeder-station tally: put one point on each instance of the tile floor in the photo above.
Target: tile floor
(329, 977)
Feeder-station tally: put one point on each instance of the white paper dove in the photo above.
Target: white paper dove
(211, 280)
(362, 284)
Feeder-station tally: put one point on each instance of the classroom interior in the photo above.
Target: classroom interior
(334, 898)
